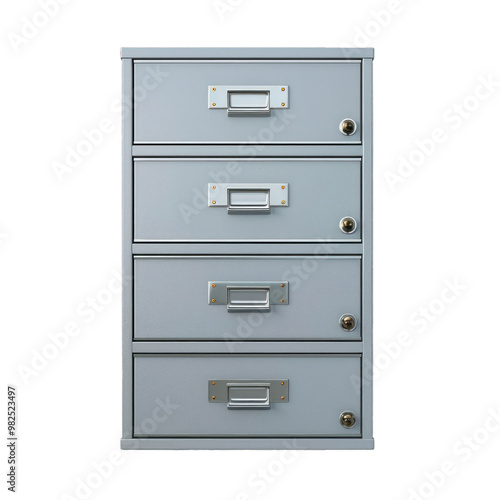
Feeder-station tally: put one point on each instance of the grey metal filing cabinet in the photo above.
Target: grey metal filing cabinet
(247, 248)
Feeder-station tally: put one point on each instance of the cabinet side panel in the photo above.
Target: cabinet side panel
(127, 263)
(367, 238)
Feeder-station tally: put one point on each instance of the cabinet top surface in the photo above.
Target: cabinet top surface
(246, 53)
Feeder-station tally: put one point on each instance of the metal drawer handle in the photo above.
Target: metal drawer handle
(251, 100)
(249, 296)
(255, 201)
(241, 103)
(245, 198)
(248, 394)
(248, 299)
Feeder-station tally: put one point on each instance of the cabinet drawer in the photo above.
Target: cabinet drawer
(246, 200)
(247, 298)
(246, 102)
(246, 395)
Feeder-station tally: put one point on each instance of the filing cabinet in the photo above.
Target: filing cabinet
(247, 248)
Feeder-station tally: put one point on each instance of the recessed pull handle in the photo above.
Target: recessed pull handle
(248, 296)
(246, 198)
(248, 100)
(241, 200)
(248, 299)
(244, 103)
(252, 394)
(248, 396)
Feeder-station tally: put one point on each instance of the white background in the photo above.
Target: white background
(60, 246)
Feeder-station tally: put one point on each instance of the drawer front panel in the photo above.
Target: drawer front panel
(252, 102)
(241, 298)
(246, 200)
(222, 395)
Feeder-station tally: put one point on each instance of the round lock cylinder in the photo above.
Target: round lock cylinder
(348, 419)
(348, 225)
(348, 322)
(348, 126)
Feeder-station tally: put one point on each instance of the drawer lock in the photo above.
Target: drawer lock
(348, 126)
(348, 322)
(348, 419)
(348, 225)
